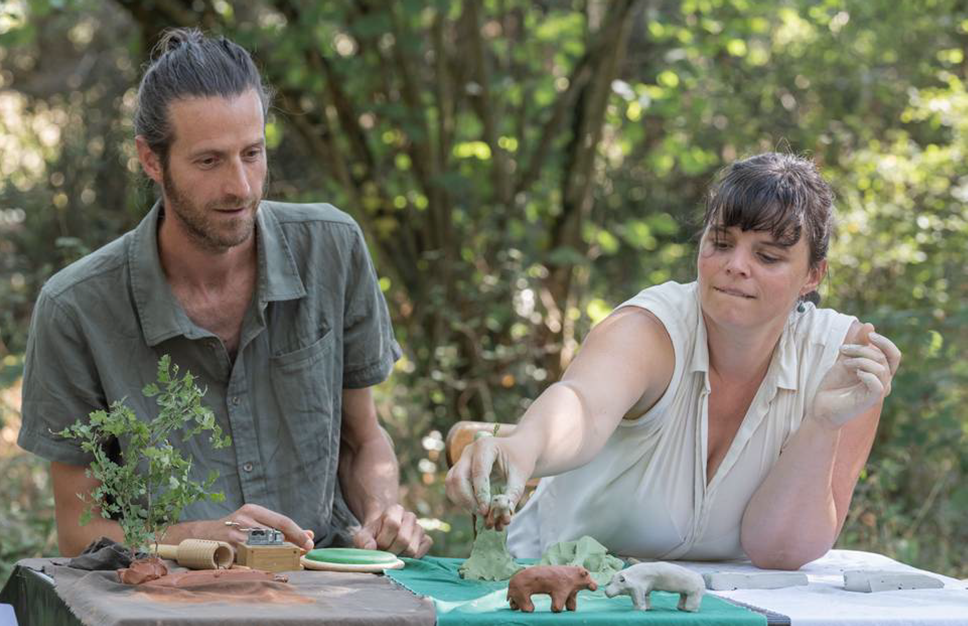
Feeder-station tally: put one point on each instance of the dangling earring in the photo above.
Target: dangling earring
(800, 307)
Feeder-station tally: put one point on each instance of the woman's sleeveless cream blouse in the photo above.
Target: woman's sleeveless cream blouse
(645, 494)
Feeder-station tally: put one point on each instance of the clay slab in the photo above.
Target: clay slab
(729, 581)
(867, 581)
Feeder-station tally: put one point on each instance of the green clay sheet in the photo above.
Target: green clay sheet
(458, 601)
(351, 556)
(587, 553)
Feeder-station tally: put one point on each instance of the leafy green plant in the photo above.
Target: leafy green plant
(151, 486)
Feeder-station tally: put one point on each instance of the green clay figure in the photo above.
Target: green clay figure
(490, 559)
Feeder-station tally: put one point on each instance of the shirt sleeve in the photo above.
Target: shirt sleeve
(369, 347)
(60, 384)
(825, 331)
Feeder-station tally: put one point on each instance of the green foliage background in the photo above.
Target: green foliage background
(520, 167)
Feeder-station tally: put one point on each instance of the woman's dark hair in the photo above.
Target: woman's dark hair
(780, 193)
(187, 64)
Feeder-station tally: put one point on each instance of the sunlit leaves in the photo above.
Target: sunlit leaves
(872, 90)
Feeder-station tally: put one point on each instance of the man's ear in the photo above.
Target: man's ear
(814, 278)
(150, 162)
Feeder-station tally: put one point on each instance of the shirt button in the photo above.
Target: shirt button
(247, 467)
(235, 401)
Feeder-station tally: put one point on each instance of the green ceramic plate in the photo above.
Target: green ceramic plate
(351, 556)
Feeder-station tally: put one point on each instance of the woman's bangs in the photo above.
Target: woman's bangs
(762, 211)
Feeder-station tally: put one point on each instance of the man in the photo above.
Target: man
(274, 307)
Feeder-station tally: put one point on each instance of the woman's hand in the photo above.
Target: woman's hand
(469, 481)
(860, 378)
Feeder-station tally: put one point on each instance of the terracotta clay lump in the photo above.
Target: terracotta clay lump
(562, 582)
(640, 580)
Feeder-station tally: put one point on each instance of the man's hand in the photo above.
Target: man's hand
(247, 516)
(369, 479)
(395, 530)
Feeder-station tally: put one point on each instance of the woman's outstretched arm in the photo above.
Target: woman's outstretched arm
(626, 361)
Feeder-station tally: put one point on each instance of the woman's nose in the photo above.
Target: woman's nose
(738, 262)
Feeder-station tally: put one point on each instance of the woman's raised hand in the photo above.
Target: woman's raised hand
(860, 378)
(469, 482)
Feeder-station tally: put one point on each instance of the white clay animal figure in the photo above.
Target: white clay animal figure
(499, 515)
(640, 580)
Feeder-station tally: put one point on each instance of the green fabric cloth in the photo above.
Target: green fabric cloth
(587, 553)
(317, 324)
(459, 601)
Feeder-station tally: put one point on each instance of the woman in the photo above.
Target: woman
(722, 419)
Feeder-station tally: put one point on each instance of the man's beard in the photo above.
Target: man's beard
(216, 235)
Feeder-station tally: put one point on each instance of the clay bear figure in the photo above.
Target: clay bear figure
(562, 582)
(639, 580)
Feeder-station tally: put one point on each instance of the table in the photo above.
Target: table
(34, 600)
(823, 602)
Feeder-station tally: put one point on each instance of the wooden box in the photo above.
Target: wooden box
(273, 558)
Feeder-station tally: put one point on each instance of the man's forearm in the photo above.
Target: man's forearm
(369, 476)
(72, 541)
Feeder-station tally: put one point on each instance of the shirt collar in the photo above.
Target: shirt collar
(160, 314)
(278, 274)
(700, 349)
(782, 372)
(785, 360)
(161, 317)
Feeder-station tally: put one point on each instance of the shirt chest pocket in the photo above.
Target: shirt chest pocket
(303, 381)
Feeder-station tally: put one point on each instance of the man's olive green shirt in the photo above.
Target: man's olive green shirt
(317, 324)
